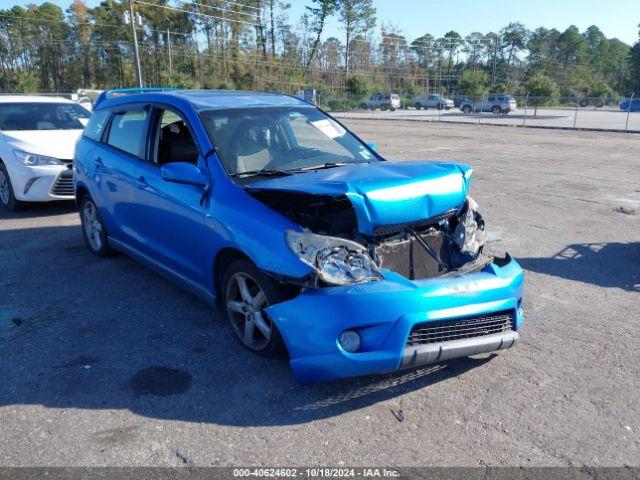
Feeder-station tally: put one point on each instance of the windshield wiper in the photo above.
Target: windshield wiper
(326, 165)
(262, 173)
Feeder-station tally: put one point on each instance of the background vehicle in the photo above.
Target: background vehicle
(495, 103)
(630, 105)
(275, 214)
(37, 141)
(433, 101)
(458, 99)
(383, 101)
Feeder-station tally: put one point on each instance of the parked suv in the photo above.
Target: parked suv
(37, 139)
(495, 103)
(383, 101)
(433, 101)
(313, 244)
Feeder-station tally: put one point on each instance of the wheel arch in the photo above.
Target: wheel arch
(224, 258)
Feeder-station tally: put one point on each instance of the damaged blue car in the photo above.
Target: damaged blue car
(312, 243)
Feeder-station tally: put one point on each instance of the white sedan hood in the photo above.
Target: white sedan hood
(52, 143)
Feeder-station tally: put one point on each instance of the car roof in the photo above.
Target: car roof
(206, 99)
(33, 99)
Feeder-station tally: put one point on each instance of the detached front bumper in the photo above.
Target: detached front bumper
(384, 313)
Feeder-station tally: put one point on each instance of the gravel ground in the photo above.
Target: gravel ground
(103, 362)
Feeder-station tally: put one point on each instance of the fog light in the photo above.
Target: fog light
(350, 341)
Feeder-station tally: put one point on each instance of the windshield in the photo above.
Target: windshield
(42, 116)
(281, 140)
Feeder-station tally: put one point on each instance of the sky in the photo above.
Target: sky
(413, 18)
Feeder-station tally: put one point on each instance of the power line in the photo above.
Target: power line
(175, 9)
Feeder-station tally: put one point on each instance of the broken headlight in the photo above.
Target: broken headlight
(337, 261)
(469, 232)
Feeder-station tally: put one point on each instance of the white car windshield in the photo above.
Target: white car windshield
(281, 140)
(42, 116)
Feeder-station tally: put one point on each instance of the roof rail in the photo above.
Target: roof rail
(129, 91)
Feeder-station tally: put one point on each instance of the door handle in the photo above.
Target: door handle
(98, 161)
(142, 182)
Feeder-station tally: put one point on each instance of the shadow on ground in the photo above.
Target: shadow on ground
(77, 331)
(610, 265)
(39, 210)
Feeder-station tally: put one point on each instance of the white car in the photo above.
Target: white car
(433, 101)
(37, 141)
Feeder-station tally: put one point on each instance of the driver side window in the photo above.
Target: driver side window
(173, 140)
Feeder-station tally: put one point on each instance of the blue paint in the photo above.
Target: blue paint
(179, 218)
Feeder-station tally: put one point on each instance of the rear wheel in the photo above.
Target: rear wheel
(467, 109)
(418, 106)
(247, 292)
(95, 235)
(7, 197)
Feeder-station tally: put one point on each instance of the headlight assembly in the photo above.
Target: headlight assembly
(33, 160)
(337, 261)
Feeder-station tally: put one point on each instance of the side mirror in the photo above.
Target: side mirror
(182, 172)
(373, 147)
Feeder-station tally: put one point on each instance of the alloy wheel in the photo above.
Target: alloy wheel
(4, 188)
(92, 226)
(245, 301)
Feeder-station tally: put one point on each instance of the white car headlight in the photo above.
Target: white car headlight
(33, 160)
(337, 261)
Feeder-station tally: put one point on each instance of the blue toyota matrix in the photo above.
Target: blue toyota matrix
(312, 243)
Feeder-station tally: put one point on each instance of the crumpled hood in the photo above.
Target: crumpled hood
(53, 143)
(385, 193)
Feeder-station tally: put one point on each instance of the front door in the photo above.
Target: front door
(170, 216)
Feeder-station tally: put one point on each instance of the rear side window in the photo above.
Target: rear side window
(96, 124)
(128, 131)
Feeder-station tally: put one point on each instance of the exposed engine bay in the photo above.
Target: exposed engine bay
(418, 250)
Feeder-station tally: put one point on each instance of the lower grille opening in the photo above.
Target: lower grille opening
(468, 327)
(63, 185)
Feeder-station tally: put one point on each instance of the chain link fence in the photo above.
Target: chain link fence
(567, 112)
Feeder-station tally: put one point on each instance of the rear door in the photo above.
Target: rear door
(122, 149)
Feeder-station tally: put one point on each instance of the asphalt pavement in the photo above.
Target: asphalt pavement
(104, 362)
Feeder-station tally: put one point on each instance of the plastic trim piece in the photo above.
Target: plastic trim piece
(438, 352)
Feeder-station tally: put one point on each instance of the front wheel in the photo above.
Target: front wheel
(7, 197)
(247, 292)
(467, 109)
(95, 235)
(496, 110)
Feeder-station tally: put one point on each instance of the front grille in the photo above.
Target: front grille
(63, 186)
(469, 327)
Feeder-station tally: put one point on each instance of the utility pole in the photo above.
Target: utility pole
(135, 44)
(169, 49)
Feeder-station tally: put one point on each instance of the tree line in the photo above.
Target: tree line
(255, 44)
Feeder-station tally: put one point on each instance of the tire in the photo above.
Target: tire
(418, 106)
(7, 198)
(392, 109)
(584, 103)
(364, 106)
(93, 230)
(439, 107)
(496, 109)
(260, 336)
(383, 108)
(467, 109)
